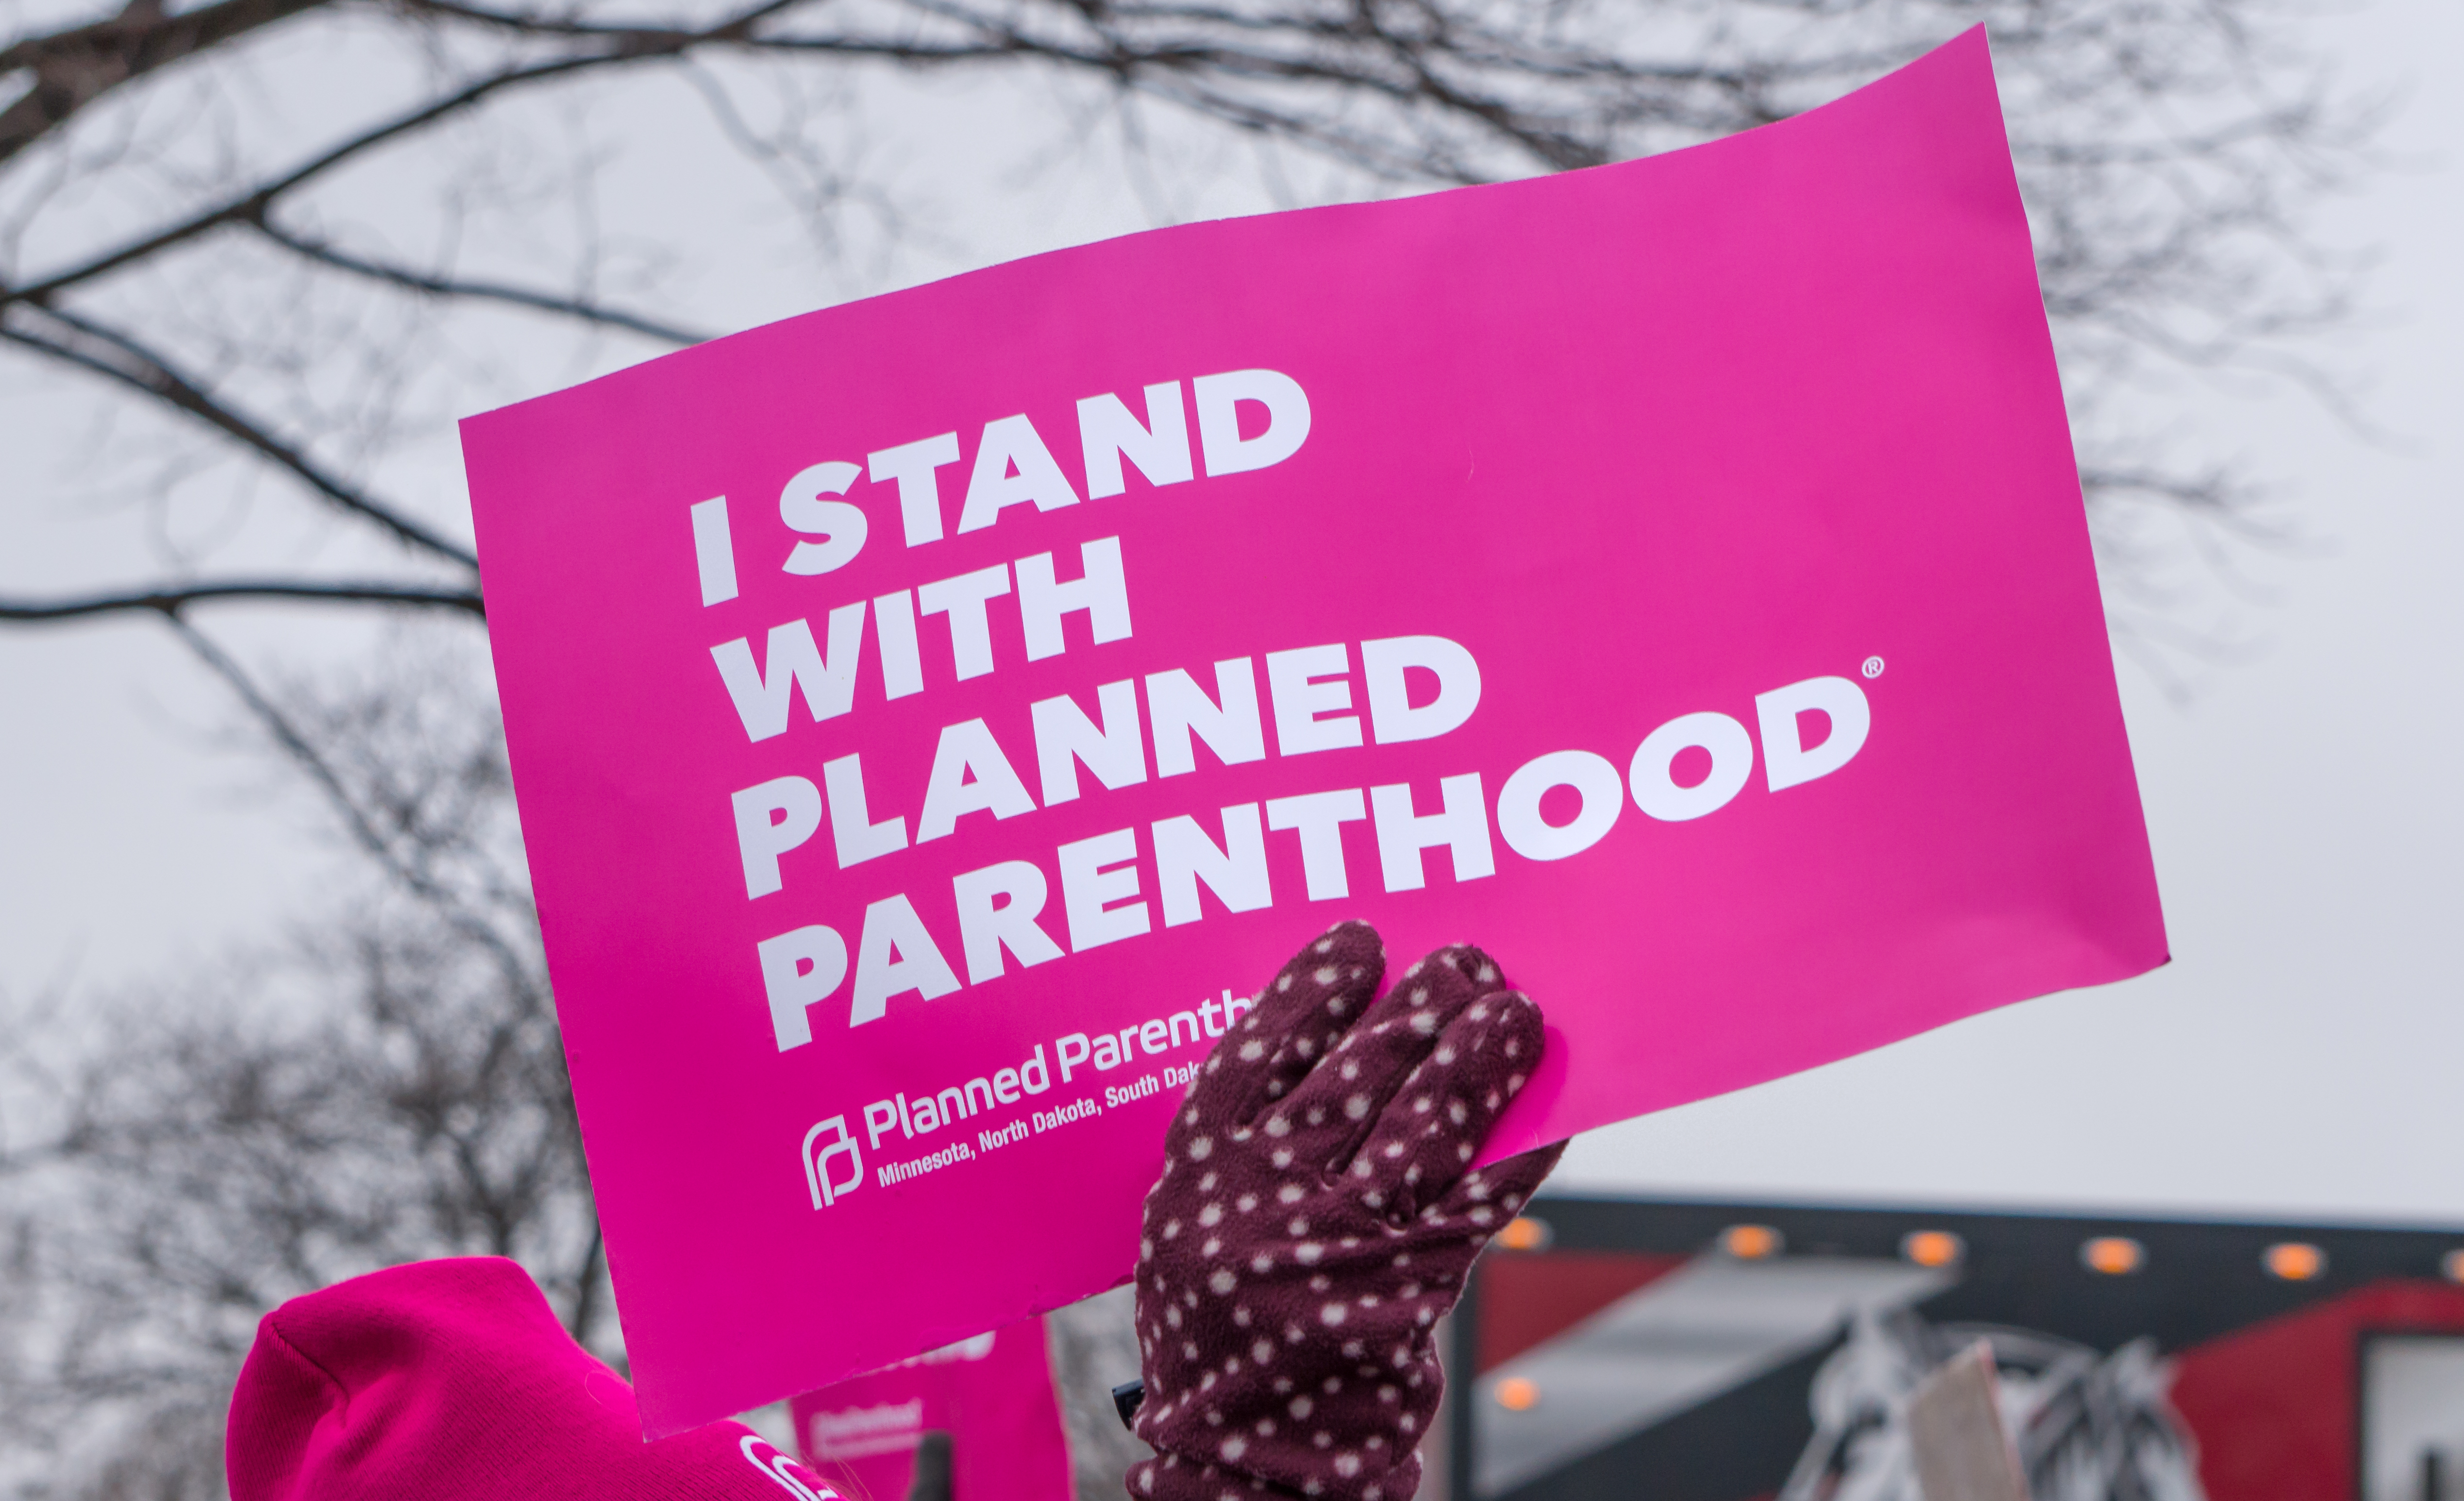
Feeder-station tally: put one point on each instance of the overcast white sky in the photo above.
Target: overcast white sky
(2305, 1052)
(2302, 1054)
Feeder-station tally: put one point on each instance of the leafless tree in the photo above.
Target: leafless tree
(186, 220)
(265, 249)
(387, 1086)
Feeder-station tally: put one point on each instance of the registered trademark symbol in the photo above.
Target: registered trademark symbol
(1873, 667)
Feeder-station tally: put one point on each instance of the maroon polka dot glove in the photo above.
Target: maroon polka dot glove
(1315, 1216)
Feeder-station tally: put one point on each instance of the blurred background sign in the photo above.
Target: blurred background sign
(1729, 1351)
(993, 1395)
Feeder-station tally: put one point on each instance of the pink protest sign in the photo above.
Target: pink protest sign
(991, 1394)
(931, 716)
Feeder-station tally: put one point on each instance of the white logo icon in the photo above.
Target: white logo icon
(779, 1469)
(819, 1174)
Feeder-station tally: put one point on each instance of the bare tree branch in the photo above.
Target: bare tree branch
(171, 602)
(370, 827)
(258, 200)
(2186, 134)
(200, 1155)
(74, 68)
(442, 286)
(252, 205)
(94, 346)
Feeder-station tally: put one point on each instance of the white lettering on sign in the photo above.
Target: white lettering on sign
(841, 527)
(915, 468)
(972, 771)
(1186, 855)
(1219, 398)
(1114, 887)
(763, 693)
(1787, 761)
(1228, 722)
(1158, 446)
(833, 1154)
(714, 551)
(1600, 796)
(1048, 610)
(1310, 690)
(1012, 467)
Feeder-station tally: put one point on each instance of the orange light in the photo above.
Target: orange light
(2295, 1261)
(2114, 1256)
(1932, 1248)
(1750, 1242)
(2452, 1264)
(1524, 1233)
(1516, 1394)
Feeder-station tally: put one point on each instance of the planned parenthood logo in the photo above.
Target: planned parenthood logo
(828, 1141)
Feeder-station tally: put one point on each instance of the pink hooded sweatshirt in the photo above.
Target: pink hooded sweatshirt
(453, 1381)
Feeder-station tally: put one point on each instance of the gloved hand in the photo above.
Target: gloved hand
(1316, 1215)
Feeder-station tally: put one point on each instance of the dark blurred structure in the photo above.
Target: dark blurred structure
(1737, 1352)
(932, 1482)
